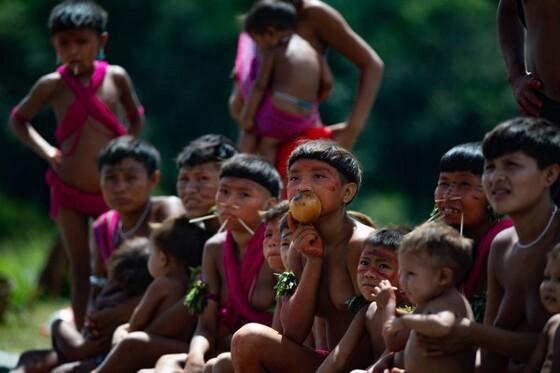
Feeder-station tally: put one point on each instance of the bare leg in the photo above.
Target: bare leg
(174, 363)
(248, 142)
(84, 366)
(37, 361)
(258, 348)
(268, 148)
(139, 350)
(73, 228)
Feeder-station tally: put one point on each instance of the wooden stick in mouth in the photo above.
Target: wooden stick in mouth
(458, 198)
(203, 218)
(223, 226)
(247, 228)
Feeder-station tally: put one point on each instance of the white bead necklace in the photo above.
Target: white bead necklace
(524, 246)
(130, 233)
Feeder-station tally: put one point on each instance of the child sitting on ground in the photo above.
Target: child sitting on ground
(176, 247)
(128, 279)
(239, 283)
(433, 260)
(283, 101)
(378, 263)
(545, 358)
(85, 93)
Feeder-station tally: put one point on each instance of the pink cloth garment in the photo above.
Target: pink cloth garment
(240, 280)
(481, 253)
(270, 121)
(69, 197)
(105, 234)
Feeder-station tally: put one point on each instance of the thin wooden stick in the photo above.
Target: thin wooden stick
(458, 198)
(434, 217)
(223, 226)
(462, 218)
(245, 226)
(203, 218)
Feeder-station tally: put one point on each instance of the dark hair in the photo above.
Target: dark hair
(270, 13)
(247, 166)
(332, 154)
(390, 237)
(283, 223)
(128, 266)
(206, 148)
(276, 211)
(443, 244)
(463, 158)
(129, 147)
(180, 239)
(74, 14)
(536, 137)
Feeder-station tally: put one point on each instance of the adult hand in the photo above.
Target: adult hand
(523, 89)
(344, 135)
(54, 156)
(455, 341)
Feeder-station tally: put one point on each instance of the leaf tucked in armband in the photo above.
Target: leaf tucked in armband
(197, 296)
(286, 284)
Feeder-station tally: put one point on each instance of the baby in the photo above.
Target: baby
(545, 359)
(433, 260)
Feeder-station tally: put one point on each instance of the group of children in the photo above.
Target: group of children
(227, 277)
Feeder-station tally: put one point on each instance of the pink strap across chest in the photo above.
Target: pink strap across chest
(86, 104)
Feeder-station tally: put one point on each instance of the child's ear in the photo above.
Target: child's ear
(348, 192)
(551, 173)
(103, 38)
(446, 276)
(164, 259)
(154, 178)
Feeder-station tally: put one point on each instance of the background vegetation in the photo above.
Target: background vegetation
(444, 84)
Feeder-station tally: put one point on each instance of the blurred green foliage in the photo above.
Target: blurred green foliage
(444, 84)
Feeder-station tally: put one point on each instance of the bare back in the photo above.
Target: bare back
(415, 360)
(542, 34)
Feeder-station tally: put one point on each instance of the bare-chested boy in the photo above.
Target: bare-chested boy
(528, 31)
(521, 172)
(239, 282)
(546, 357)
(325, 282)
(433, 260)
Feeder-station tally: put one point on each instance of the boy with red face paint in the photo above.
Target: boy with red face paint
(326, 281)
(378, 262)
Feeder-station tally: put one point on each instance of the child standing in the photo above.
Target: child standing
(283, 100)
(433, 260)
(85, 93)
(545, 358)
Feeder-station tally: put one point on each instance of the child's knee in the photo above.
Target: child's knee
(247, 338)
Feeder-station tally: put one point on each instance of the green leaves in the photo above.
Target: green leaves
(286, 284)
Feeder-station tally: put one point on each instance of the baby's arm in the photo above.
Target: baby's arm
(395, 336)
(435, 325)
(39, 97)
(255, 97)
(145, 310)
(338, 358)
(539, 354)
(132, 107)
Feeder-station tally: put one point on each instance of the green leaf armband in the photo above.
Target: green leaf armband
(197, 296)
(286, 284)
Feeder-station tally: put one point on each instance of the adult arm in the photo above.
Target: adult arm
(39, 96)
(335, 32)
(298, 313)
(207, 325)
(338, 358)
(511, 35)
(129, 100)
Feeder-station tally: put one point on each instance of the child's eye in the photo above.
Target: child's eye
(489, 166)
(245, 194)
(385, 266)
(318, 176)
(364, 262)
(293, 178)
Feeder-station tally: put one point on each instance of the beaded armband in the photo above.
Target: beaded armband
(18, 118)
(134, 116)
(286, 284)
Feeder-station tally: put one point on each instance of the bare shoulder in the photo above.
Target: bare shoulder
(215, 244)
(49, 83)
(552, 323)
(119, 75)
(164, 284)
(166, 206)
(322, 11)
(502, 244)
(451, 301)
(359, 235)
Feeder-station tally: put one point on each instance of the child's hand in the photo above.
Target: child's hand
(54, 157)
(384, 293)
(307, 241)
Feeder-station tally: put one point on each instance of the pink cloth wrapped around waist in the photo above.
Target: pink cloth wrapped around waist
(271, 121)
(68, 197)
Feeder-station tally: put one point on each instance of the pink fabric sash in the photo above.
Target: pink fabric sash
(86, 104)
(482, 250)
(105, 233)
(246, 64)
(240, 280)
